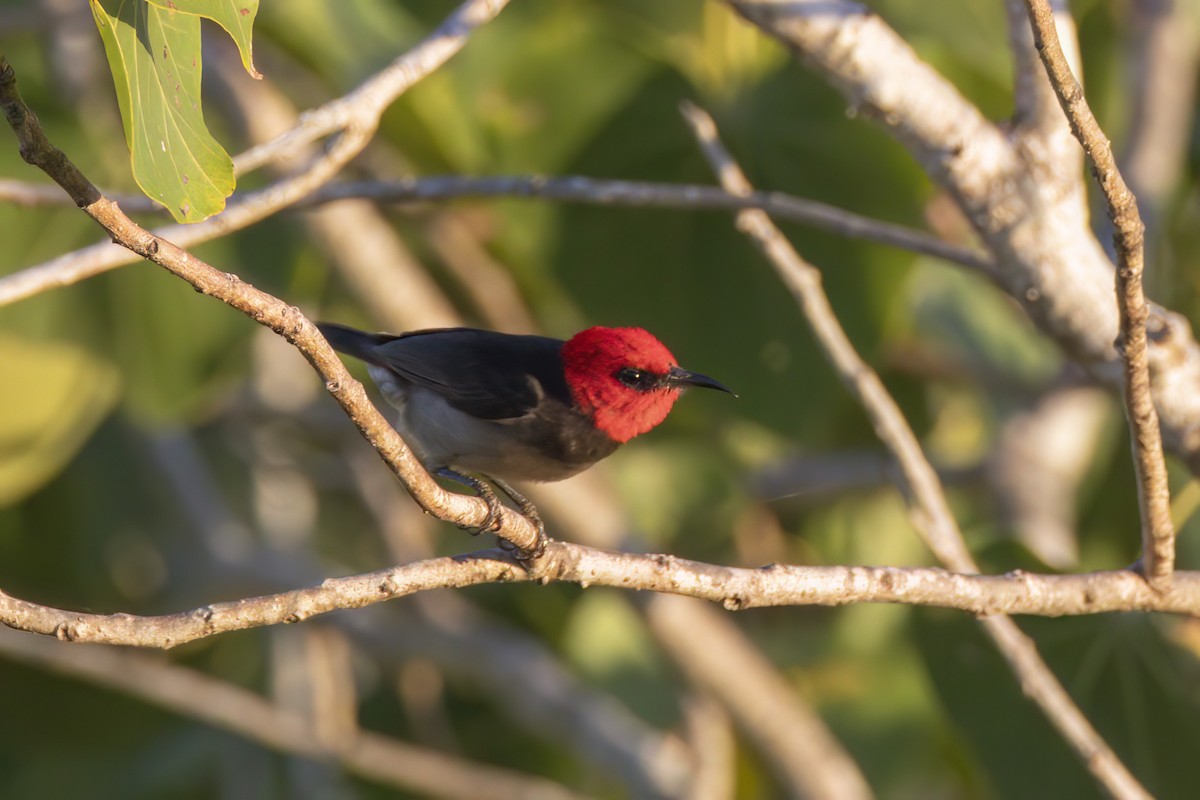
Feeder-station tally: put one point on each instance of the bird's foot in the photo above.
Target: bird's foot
(529, 510)
(492, 521)
(527, 556)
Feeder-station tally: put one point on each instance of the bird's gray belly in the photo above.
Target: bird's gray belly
(524, 449)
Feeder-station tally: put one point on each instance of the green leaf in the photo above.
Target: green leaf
(154, 55)
(235, 16)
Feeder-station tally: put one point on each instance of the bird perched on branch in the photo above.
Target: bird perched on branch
(519, 408)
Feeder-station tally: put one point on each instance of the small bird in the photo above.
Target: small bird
(519, 408)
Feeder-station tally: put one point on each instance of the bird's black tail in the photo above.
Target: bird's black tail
(352, 341)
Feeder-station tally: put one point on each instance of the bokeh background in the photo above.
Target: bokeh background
(159, 451)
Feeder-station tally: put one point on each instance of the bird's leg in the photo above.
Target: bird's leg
(531, 512)
(492, 521)
(483, 491)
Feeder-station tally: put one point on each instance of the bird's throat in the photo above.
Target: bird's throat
(624, 417)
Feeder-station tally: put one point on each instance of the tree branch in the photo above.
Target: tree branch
(928, 508)
(920, 482)
(735, 588)
(641, 194)
(89, 261)
(1158, 532)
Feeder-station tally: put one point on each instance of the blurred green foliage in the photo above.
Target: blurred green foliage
(97, 375)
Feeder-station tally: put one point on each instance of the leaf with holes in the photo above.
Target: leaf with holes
(235, 16)
(154, 55)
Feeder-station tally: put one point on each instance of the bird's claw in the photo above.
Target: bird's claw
(526, 556)
(494, 518)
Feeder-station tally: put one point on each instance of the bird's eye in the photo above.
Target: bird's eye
(637, 379)
(629, 376)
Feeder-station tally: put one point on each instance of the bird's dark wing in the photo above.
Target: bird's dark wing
(485, 374)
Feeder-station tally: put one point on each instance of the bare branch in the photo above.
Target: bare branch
(734, 588)
(1158, 532)
(923, 492)
(88, 261)
(37, 195)
(370, 755)
(638, 194)
(1041, 260)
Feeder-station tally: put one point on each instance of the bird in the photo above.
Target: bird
(514, 407)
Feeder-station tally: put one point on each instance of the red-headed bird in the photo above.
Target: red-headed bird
(523, 408)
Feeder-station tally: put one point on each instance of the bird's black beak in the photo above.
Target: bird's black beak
(677, 376)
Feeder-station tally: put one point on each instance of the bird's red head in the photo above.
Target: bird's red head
(626, 379)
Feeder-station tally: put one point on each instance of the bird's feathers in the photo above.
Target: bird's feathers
(481, 373)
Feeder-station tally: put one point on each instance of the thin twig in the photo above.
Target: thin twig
(641, 194)
(735, 588)
(93, 260)
(1158, 533)
(370, 755)
(928, 508)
